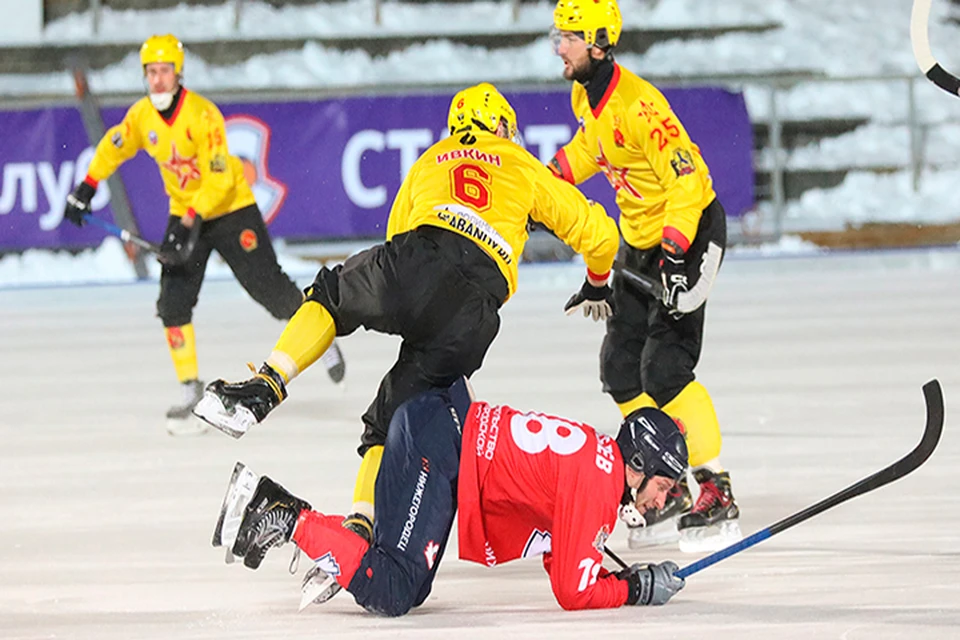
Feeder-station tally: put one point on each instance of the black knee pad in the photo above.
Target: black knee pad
(173, 312)
(325, 289)
(664, 383)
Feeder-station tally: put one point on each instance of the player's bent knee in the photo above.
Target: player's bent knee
(174, 317)
(384, 586)
(325, 288)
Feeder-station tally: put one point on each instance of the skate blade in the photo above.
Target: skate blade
(233, 422)
(664, 532)
(186, 427)
(318, 590)
(243, 483)
(709, 539)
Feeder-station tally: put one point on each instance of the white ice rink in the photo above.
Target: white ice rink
(815, 366)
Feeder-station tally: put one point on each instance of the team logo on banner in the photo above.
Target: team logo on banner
(248, 240)
(248, 138)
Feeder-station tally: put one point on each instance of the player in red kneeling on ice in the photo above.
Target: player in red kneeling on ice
(525, 484)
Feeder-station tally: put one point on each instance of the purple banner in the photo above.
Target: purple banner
(322, 169)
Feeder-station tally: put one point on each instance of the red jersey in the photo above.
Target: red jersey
(534, 484)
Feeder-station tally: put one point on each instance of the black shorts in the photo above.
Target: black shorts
(437, 290)
(645, 349)
(242, 240)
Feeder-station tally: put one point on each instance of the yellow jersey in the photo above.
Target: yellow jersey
(635, 139)
(484, 187)
(190, 150)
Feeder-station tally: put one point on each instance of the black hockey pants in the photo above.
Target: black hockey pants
(437, 290)
(645, 349)
(416, 496)
(242, 240)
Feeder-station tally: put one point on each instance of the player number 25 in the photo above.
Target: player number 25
(658, 134)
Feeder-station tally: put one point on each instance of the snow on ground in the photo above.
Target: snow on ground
(108, 264)
(814, 364)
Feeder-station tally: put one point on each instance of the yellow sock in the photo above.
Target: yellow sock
(363, 491)
(694, 408)
(641, 401)
(183, 351)
(307, 335)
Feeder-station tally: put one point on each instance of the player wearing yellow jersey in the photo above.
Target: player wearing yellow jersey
(674, 229)
(211, 208)
(455, 233)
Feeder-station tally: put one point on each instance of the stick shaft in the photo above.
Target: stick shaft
(123, 234)
(933, 396)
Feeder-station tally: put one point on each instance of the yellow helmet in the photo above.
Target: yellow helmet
(599, 20)
(162, 49)
(484, 106)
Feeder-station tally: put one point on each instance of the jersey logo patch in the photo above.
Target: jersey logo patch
(430, 553)
(616, 176)
(682, 163)
(248, 240)
(538, 543)
(152, 137)
(184, 168)
(599, 542)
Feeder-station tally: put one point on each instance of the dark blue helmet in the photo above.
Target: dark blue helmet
(651, 443)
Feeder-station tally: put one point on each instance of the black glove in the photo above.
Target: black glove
(653, 583)
(673, 275)
(78, 203)
(180, 241)
(597, 302)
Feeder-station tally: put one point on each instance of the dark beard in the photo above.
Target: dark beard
(596, 84)
(584, 73)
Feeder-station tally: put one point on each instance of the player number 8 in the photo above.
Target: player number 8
(535, 432)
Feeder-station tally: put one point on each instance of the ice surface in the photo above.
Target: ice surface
(815, 365)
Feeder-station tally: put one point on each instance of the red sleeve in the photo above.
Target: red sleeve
(582, 521)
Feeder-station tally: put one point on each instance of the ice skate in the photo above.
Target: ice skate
(180, 418)
(320, 583)
(333, 360)
(243, 482)
(661, 524)
(234, 407)
(714, 521)
(268, 521)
